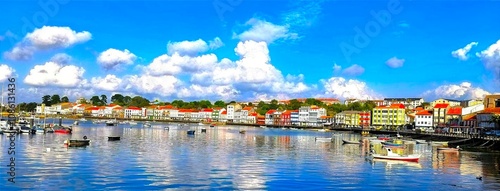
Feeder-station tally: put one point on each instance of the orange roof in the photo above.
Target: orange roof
(454, 111)
(287, 112)
(92, 108)
(187, 110)
(423, 112)
(247, 108)
(253, 114)
(166, 107)
(224, 113)
(271, 111)
(441, 105)
(397, 105)
(492, 110)
(217, 108)
(469, 117)
(207, 110)
(325, 117)
(133, 108)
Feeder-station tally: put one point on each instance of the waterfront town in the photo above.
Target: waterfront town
(440, 115)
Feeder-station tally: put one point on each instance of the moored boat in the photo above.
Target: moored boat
(323, 139)
(394, 156)
(419, 141)
(190, 132)
(113, 138)
(391, 144)
(63, 130)
(243, 132)
(350, 142)
(76, 142)
(447, 149)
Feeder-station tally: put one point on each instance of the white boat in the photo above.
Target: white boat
(147, 124)
(420, 141)
(200, 123)
(322, 130)
(132, 123)
(376, 141)
(111, 122)
(83, 119)
(323, 139)
(394, 156)
(446, 149)
(25, 129)
(263, 126)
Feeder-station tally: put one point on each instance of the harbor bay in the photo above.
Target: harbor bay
(224, 158)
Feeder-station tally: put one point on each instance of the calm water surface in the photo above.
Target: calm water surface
(224, 159)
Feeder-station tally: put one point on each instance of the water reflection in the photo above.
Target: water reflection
(222, 158)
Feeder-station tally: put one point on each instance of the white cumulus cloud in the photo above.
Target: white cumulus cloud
(462, 52)
(108, 83)
(55, 74)
(6, 72)
(49, 37)
(263, 31)
(395, 62)
(491, 59)
(46, 38)
(225, 92)
(160, 85)
(113, 58)
(176, 64)
(342, 88)
(465, 90)
(354, 70)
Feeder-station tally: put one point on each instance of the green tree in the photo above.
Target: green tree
(220, 103)
(205, 104)
(294, 104)
(83, 101)
(117, 99)
(126, 100)
(369, 105)
(55, 99)
(178, 103)
(104, 99)
(46, 100)
(139, 101)
(94, 100)
(65, 99)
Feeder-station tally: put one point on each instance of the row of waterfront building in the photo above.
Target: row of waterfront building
(390, 113)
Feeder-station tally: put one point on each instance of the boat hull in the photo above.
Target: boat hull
(400, 158)
(351, 142)
(77, 143)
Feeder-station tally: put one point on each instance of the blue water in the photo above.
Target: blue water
(224, 159)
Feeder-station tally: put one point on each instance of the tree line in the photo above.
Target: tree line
(261, 108)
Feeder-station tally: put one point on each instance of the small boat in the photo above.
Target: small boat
(132, 123)
(243, 132)
(212, 125)
(83, 119)
(394, 156)
(111, 123)
(147, 124)
(25, 129)
(190, 132)
(351, 142)
(39, 130)
(200, 123)
(419, 141)
(263, 126)
(77, 143)
(113, 138)
(75, 123)
(167, 128)
(63, 130)
(322, 130)
(391, 144)
(323, 139)
(15, 130)
(203, 130)
(49, 130)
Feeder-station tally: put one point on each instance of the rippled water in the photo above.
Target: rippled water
(224, 159)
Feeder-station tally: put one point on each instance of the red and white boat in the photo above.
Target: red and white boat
(63, 130)
(394, 156)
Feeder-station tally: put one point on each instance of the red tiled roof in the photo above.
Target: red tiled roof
(469, 117)
(441, 105)
(493, 110)
(187, 110)
(224, 113)
(166, 107)
(454, 111)
(397, 105)
(133, 108)
(271, 111)
(207, 110)
(423, 112)
(325, 117)
(217, 108)
(287, 112)
(247, 108)
(253, 114)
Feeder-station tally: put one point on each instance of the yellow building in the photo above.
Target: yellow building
(492, 101)
(450, 102)
(392, 116)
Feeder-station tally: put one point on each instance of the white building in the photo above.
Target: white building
(409, 103)
(231, 108)
(303, 115)
(133, 112)
(423, 119)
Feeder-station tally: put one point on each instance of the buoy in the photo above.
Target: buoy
(48, 149)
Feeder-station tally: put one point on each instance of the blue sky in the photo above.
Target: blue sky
(248, 50)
